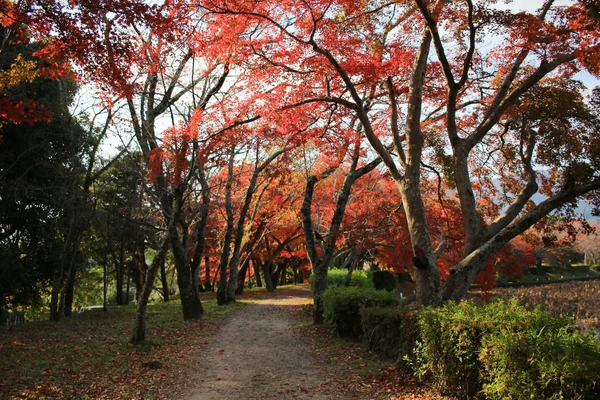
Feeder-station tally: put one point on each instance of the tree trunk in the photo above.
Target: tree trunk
(282, 274)
(256, 266)
(70, 291)
(55, 297)
(139, 331)
(268, 275)
(163, 279)
(427, 276)
(242, 277)
(105, 281)
(188, 289)
(207, 283)
(128, 288)
(226, 251)
(119, 271)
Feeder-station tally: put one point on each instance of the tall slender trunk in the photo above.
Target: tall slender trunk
(282, 274)
(3, 310)
(163, 279)
(188, 289)
(128, 288)
(427, 276)
(119, 271)
(256, 266)
(105, 280)
(268, 275)
(242, 276)
(226, 250)
(207, 283)
(139, 331)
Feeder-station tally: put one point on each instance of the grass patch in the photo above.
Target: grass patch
(89, 355)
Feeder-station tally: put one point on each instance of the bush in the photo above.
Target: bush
(361, 279)
(505, 351)
(382, 329)
(447, 348)
(544, 364)
(342, 307)
(336, 277)
(384, 280)
(451, 337)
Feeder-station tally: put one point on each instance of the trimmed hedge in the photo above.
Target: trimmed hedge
(336, 277)
(384, 280)
(342, 307)
(382, 329)
(549, 364)
(505, 351)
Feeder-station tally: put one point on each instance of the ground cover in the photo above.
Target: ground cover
(88, 356)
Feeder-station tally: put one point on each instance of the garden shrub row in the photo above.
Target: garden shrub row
(505, 351)
(342, 306)
(501, 350)
(380, 280)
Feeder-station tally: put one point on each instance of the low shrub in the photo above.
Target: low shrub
(342, 307)
(384, 280)
(451, 337)
(382, 329)
(336, 278)
(361, 279)
(540, 364)
(446, 349)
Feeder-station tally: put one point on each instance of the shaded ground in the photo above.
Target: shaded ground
(88, 356)
(258, 355)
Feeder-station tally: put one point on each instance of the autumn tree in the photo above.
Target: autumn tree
(447, 104)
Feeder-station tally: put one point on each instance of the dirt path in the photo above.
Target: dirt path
(256, 355)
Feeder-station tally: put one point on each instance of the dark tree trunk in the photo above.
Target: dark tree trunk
(163, 279)
(226, 250)
(128, 288)
(105, 281)
(268, 275)
(207, 283)
(69, 293)
(242, 277)
(256, 266)
(282, 274)
(119, 271)
(55, 297)
(188, 286)
(139, 331)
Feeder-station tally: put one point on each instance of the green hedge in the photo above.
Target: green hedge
(504, 351)
(336, 277)
(342, 307)
(384, 280)
(382, 329)
(545, 364)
